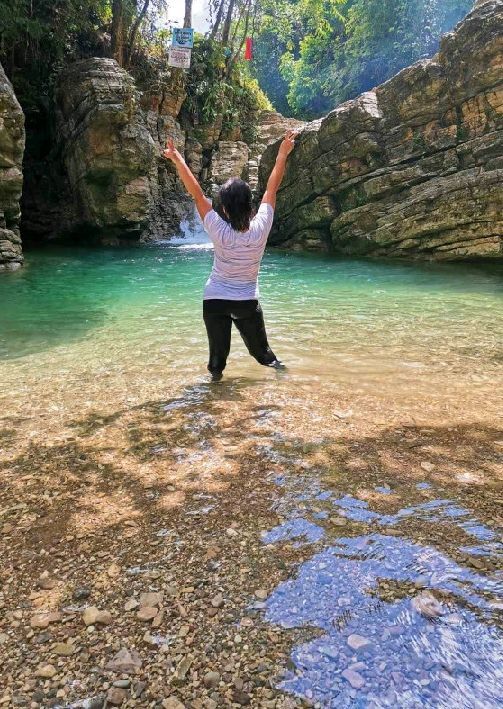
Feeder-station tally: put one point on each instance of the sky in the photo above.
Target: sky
(176, 11)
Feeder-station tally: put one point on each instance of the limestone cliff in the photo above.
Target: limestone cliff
(110, 146)
(413, 168)
(11, 175)
(104, 176)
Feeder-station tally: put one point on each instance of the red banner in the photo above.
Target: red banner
(249, 49)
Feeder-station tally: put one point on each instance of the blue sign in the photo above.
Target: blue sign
(183, 38)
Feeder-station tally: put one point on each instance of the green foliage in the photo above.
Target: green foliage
(36, 36)
(214, 90)
(312, 55)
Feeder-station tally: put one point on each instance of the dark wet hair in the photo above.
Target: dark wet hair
(236, 197)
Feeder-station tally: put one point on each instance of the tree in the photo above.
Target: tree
(219, 7)
(227, 23)
(134, 31)
(327, 51)
(187, 21)
(118, 30)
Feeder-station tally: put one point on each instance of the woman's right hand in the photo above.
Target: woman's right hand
(287, 144)
(170, 152)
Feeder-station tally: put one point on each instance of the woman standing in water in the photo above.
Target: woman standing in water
(231, 292)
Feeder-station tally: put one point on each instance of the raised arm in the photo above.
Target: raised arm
(278, 170)
(192, 186)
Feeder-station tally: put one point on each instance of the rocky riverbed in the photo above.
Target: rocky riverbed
(209, 548)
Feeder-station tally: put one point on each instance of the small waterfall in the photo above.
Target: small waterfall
(191, 235)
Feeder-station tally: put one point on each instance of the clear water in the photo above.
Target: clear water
(368, 585)
(322, 313)
(110, 331)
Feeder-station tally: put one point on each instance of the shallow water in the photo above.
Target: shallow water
(326, 317)
(86, 334)
(396, 622)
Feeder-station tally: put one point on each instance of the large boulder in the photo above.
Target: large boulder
(11, 175)
(413, 168)
(110, 145)
(229, 160)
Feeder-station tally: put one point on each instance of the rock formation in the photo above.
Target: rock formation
(413, 168)
(105, 170)
(111, 149)
(11, 175)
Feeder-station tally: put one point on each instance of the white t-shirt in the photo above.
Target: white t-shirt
(237, 255)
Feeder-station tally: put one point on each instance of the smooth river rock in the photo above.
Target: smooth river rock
(413, 168)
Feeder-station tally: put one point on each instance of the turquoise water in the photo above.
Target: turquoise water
(317, 308)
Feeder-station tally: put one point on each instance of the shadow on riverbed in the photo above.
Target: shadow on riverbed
(184, 444)
(363, 523)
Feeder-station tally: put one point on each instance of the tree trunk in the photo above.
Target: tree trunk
(218, 20)
(245, 32)
(118, 31)
(134, 31)
(227, 24)
(187, 22)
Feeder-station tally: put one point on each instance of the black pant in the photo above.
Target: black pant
(248, 317)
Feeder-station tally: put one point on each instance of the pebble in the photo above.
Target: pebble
(211, 680)
(80, 594)
(357, 642)
(354, 678)
(150, 600)
(116, 696)
(261, 594)
(43, 620)
(138, 689)
(46, 671)
(240, 697)
(131, 604)
(45, 582)
(93, 616)
(146, 613)
(64, 649)
(426, 604)
(425, 465)
(113, 570)
(183, 667)
(122, 683)
(232, 533)
(157, 622)
(217, 601)
(125, 661)
(172, 703)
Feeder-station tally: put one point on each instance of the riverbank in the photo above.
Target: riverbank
(286, 529)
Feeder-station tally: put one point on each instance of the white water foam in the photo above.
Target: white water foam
(191, 236)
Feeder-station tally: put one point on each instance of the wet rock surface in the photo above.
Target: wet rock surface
(12, 139)
(412, 168)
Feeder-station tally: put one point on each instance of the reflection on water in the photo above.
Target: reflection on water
(379, 649)
(396, 622)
